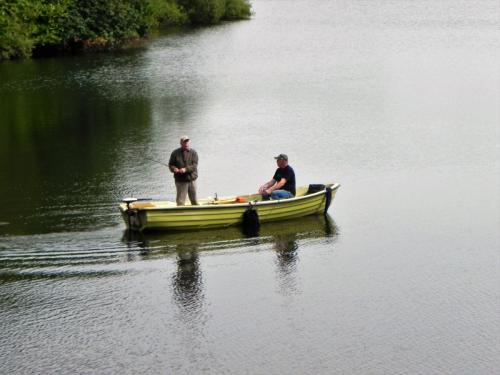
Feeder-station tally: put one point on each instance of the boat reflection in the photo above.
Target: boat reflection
(157, 244)
(284, 238)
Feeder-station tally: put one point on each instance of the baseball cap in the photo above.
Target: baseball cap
(184, 138)
(281, 157)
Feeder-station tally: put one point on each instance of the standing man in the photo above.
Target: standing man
(282, 185)
(183, 164)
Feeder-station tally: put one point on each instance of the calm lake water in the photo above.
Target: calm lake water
(396, 100)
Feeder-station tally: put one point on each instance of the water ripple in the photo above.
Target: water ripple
(111, 251)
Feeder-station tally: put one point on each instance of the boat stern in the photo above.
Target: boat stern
(130, 215)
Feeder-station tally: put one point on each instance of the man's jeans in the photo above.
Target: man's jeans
(281, 194)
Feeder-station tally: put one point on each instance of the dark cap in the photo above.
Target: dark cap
(281, 157)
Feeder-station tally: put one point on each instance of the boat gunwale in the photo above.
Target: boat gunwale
(334, 187)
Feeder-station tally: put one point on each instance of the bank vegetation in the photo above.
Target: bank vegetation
(33, 27)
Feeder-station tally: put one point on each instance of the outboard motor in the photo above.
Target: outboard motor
(132, 215)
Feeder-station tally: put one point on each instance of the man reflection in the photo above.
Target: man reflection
(286, 244)
(187, 281)
(286, 248)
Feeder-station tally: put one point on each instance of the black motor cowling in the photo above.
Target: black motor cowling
(314, 188)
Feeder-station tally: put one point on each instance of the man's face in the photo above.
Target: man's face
(282, 163)
(186, 144)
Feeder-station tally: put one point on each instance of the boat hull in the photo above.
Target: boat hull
(166, 216)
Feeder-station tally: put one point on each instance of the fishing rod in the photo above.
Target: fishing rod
(156, 161)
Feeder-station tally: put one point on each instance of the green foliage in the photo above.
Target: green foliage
(204, 12)
(17, 28)
(109, 20)
(237, 9)
(29, 24)
(207, 12)
(51, 16)
(167, 13)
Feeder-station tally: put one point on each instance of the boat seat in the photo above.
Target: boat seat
(142, 205)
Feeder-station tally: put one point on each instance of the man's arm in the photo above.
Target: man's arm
(192, 166)
(267, 185)
(172, 164)
(276, 186)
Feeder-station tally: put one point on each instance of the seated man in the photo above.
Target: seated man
(282, 185)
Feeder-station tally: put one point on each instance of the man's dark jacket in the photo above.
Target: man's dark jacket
(184, 159)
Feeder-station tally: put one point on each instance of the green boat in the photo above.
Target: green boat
(157, 215)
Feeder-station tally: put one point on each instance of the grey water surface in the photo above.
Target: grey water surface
(396, 100)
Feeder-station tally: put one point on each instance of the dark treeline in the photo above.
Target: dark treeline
(38, 26)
